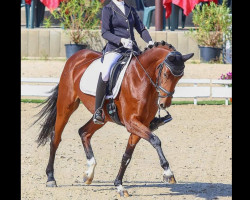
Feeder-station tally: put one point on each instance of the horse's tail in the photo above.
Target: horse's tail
(48, 113)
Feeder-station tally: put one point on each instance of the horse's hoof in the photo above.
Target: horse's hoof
(51, 184)
(169, 179)
(123, 193)
(87, 180)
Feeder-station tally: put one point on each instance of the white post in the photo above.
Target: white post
(226, 101)
(195, 101)
(195, 98)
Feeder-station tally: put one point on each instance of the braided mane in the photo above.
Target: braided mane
(163, 43)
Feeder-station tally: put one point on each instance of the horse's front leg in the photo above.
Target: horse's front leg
(168, 175)
(86, 132)
(132, 141)
(138, 128)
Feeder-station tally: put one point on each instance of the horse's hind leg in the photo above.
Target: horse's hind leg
(86, 132)
(132, 141)
(64, 110)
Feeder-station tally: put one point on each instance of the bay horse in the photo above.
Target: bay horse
(148, 84)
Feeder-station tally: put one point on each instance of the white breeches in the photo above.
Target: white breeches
(108, 62)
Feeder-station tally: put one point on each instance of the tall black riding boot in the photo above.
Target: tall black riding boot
(99, 117)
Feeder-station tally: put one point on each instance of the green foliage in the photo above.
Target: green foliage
(47, 22)
(213, 24)
(78, 15)
(33, 100)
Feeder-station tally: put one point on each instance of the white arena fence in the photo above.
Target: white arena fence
(197, 88)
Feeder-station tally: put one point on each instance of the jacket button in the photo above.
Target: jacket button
(126, 20)
(127, 29)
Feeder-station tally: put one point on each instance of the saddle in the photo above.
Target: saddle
(113, 77)
(115, 72)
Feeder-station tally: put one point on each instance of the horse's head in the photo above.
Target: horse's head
(170, 72)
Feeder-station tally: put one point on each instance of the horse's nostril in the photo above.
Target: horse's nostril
(162, 106)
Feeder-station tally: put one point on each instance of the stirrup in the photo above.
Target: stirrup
(99, 116)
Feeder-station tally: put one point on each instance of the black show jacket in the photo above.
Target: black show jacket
(116, 25)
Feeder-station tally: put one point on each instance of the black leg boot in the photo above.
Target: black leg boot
(99, 117)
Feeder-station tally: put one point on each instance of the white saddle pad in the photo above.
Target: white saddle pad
(89, 80)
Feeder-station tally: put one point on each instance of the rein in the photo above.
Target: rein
(157, 84)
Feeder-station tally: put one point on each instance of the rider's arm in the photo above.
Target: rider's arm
(106, 33)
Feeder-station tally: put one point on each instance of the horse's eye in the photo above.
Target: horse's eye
(165, 74)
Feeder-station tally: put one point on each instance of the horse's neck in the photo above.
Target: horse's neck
(153, 58)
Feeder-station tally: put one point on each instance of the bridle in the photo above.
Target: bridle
(158, 82)
(157, 85)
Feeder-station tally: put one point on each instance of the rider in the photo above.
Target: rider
(118, 21)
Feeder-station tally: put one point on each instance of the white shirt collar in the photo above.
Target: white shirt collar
(118, 3)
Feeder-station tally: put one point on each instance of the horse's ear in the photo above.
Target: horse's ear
(171, 57)
(186, 57)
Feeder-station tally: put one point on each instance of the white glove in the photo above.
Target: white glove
(151, 42)
(127, 43)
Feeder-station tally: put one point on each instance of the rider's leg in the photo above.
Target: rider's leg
(108, 62)
(99, 100)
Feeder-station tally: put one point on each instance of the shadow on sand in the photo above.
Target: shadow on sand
(197, 189)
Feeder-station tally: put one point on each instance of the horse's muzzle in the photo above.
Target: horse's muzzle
(166, 103)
